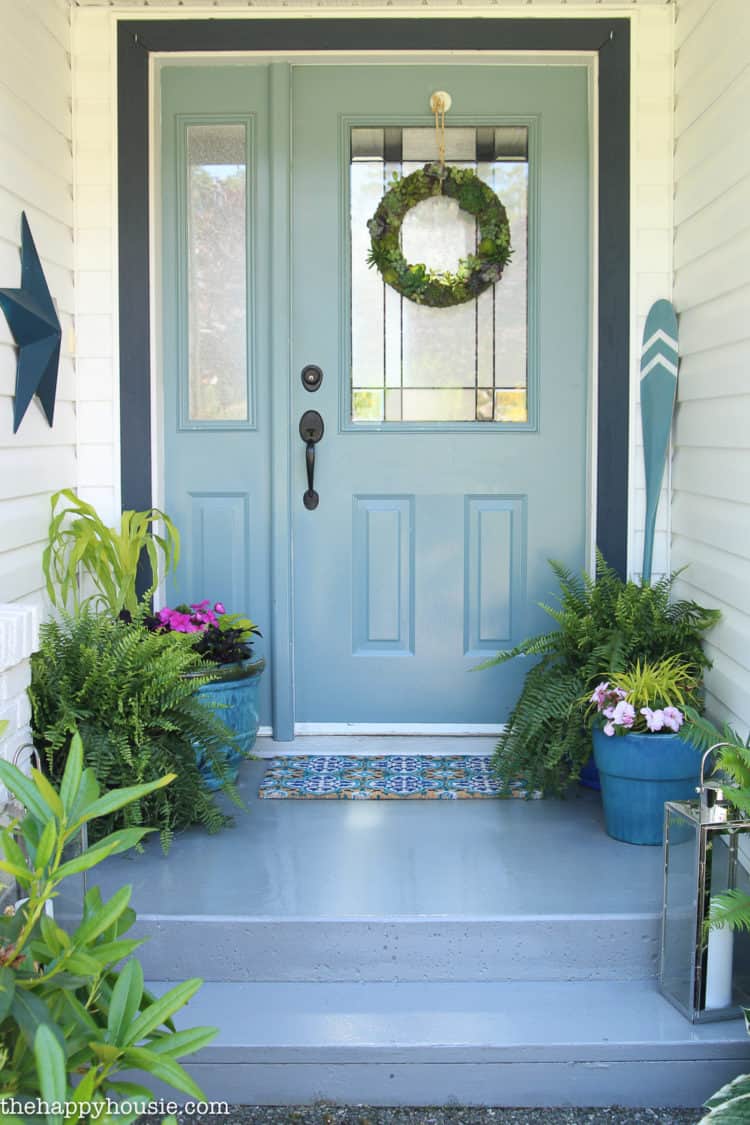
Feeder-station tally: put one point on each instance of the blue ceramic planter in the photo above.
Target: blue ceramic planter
(638, 773)
(234, 697)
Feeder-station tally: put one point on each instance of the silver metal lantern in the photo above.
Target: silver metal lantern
(705, 973)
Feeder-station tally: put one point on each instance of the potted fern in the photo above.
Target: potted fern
(131, 694)
(224, 641)
(641, 759)
(602, 624)
(92, 569)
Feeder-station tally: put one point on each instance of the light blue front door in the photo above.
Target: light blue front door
(453, 462)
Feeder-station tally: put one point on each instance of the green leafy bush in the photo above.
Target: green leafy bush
(127, 691)
(81, 545)
(70, 1021)
(603, 625)
(730, 1104)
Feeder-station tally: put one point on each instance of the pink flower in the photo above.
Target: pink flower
(609, 729)
(219, 608)
(203, 615)
(654, 719)
(609, 712)
(624, 715)
(178, 622)
(673, 718)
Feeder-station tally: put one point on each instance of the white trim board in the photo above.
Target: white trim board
(364, 746)
(402, 730)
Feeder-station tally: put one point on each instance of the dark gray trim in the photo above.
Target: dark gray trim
(610, 38)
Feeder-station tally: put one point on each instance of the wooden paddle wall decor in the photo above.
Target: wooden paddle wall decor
(659, 361)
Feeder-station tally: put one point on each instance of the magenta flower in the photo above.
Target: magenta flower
(203, 614)
(178, 622)
(673, 718)
(219, 608)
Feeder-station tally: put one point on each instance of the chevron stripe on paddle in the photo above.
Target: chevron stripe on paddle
(659, 362)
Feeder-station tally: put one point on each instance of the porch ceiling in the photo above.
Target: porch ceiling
(241, 5)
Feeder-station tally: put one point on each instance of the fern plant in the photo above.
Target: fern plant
(80, 545)
(604, 625)
(126, 690)
(732, 761)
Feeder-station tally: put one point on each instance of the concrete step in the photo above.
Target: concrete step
(521, 948)
(512, 1044)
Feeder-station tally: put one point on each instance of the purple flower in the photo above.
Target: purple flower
(624, 715)
(673, 718)
(600, 693)
(609, 729)
(219, 608)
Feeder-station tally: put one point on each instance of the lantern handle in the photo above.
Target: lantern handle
(707, 755)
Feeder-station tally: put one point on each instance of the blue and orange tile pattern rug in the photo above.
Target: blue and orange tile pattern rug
(386, 778)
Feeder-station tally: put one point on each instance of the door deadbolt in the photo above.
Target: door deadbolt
(311, 376)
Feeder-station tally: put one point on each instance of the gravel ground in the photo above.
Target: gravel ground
(452, 1115)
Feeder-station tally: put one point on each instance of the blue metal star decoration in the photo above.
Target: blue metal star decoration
(36, 330)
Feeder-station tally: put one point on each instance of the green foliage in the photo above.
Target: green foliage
(128, 692)
(668, 682)
(80, 544)
(70, 1021)
(731, 1104)
(732, 761)
(477, 272)
(604, 625)
(732, 758)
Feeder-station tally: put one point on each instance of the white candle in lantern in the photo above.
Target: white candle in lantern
(719, 968)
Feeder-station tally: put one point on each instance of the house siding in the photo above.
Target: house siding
(36, 176)
(711, 470)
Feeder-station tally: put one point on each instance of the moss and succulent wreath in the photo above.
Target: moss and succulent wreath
(475, 273)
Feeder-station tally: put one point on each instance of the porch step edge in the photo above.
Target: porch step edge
(553, 948)
(518, 1043)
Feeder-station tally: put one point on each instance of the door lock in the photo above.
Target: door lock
(311, 376)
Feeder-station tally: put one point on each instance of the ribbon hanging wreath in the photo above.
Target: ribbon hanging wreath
(475, 273)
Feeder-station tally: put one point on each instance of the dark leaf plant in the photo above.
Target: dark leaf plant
(602, 625)
(82, 552)
(74, 1013)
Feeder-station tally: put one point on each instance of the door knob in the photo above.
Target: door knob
(311, 430)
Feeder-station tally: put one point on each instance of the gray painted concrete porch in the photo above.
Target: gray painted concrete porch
(423, 952)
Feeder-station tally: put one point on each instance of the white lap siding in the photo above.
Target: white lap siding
(36, 176)
(711, 473)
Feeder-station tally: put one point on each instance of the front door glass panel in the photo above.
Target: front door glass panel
(415, 364)
(216, 191)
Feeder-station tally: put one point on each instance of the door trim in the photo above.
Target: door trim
(139, 40)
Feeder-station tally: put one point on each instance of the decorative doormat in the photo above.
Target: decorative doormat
(386, 778)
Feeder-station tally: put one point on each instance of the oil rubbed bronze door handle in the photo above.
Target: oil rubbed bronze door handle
(311, 430)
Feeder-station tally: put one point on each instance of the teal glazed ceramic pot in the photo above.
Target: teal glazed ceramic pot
(638, 773)
(234, 699)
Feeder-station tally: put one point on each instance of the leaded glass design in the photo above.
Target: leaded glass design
(411, 363)
(217, 272)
